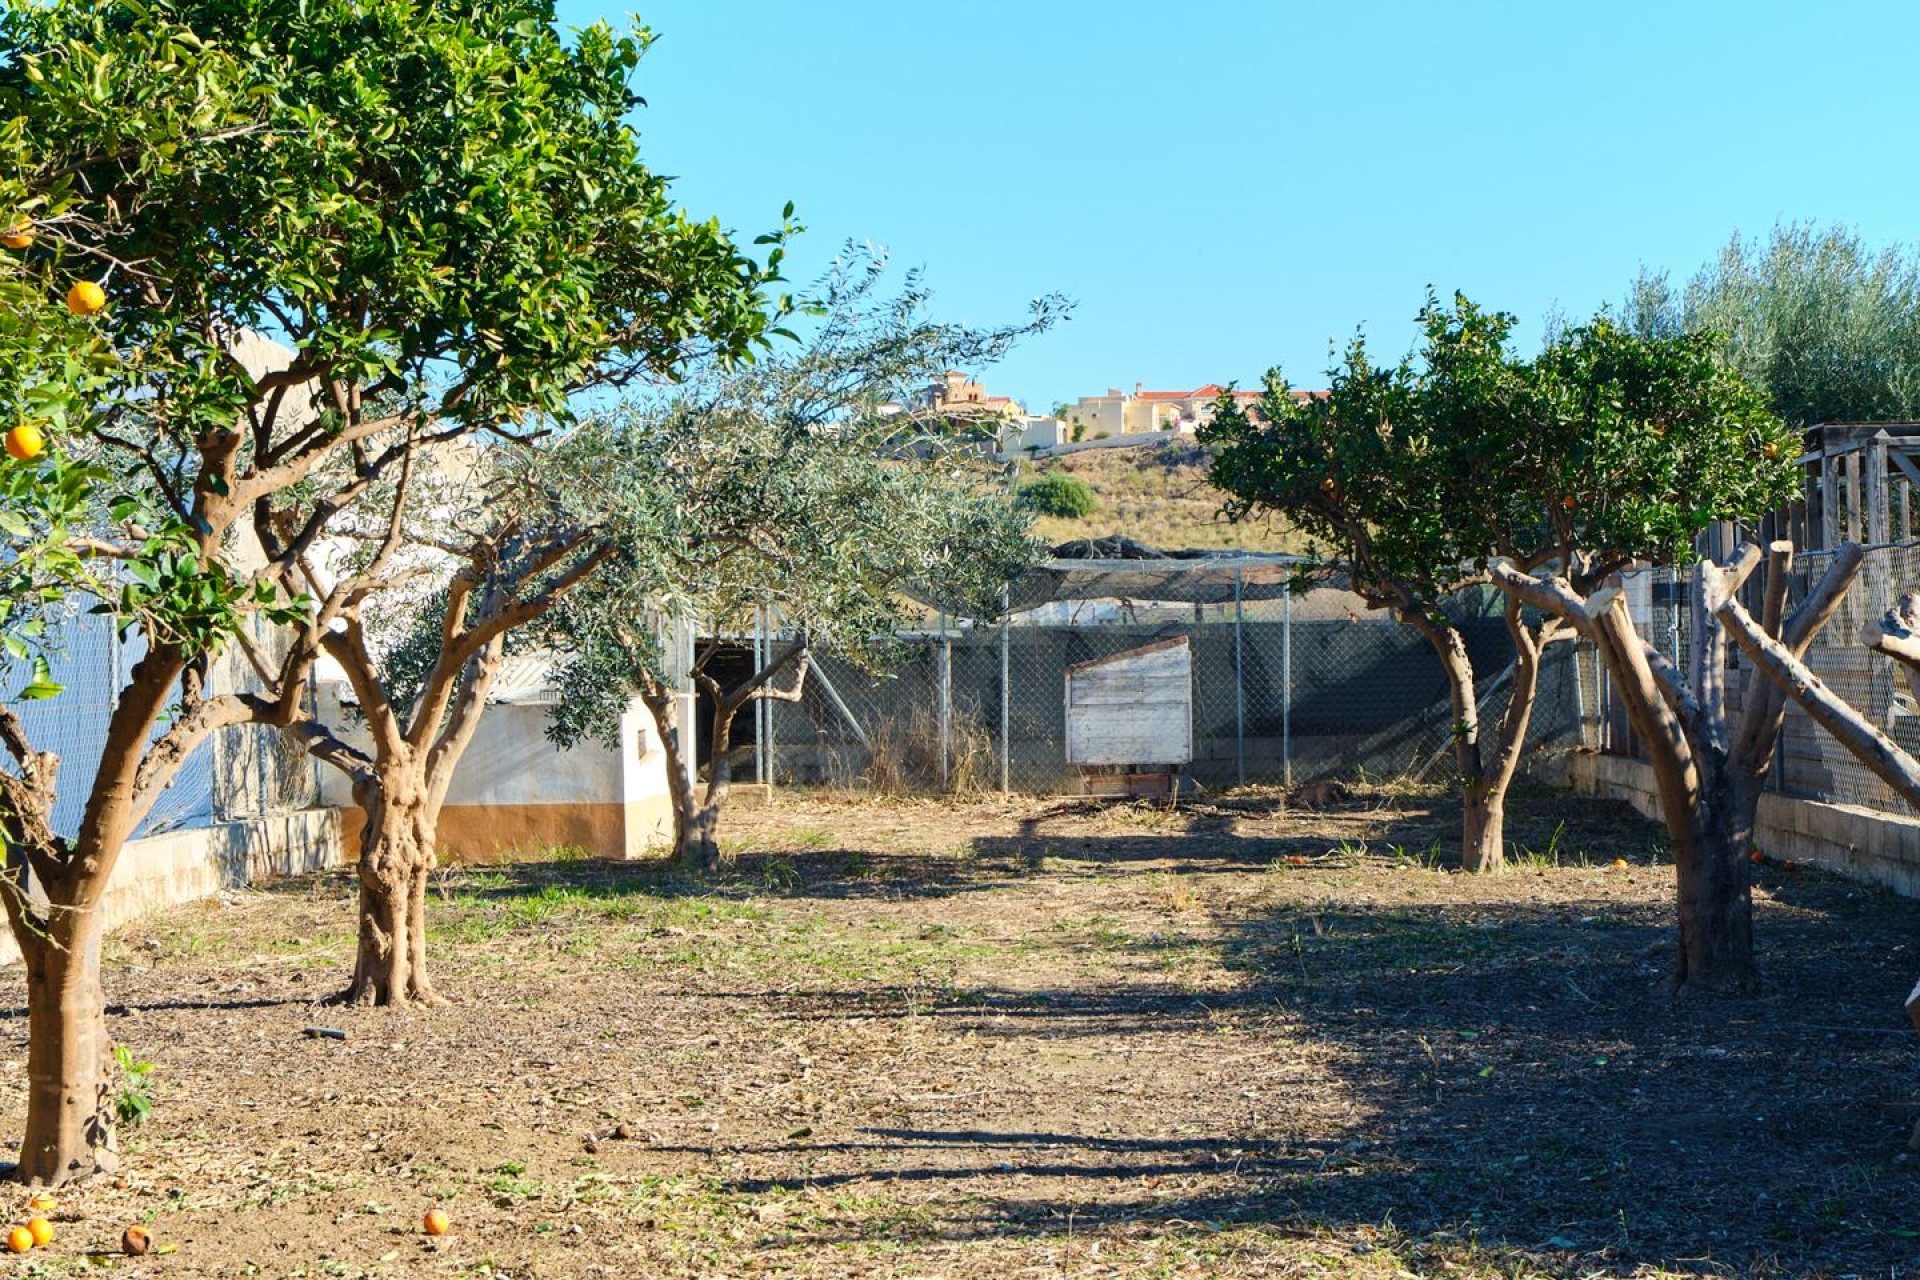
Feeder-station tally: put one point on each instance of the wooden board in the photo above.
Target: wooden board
(1132, 708)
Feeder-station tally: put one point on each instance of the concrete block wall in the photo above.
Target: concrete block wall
(183, 866)
(1869, 845)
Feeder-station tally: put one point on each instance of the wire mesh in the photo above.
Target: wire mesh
(237, 773)
(1808, 763)
(1283, 691)
(1811, 763)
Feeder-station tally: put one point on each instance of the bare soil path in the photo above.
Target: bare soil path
(1027, 1038)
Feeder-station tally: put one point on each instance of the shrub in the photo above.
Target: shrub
(1058, 494)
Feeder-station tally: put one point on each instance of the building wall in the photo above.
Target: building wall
(1032, 433)
(1096, 414)
(514, 791)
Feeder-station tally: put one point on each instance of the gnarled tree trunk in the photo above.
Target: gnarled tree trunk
(1709, 777)
(696, 815)
(700, 844)
(396, 856)
(662, 704)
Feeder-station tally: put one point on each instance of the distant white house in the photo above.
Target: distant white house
(1144, 412)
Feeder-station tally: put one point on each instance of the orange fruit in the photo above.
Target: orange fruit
(24, 442)
(19, 1240)
(86, 298)
(1568, 502)
(42, 1203)
(41, 1230)
(135, 1242)
(436, 1223)
(1757, 856)
(19, 236)
(1619, 864)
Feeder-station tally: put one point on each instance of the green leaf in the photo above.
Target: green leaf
(42, 685)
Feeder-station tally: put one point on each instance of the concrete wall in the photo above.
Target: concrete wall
(1114, 442)
(1869, 845)
(1021, 434)
(182, 866)
(515, 791)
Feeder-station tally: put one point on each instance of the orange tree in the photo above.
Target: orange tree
(1416, 478)
(1377, 472)
(1651, 441)
(439, 213)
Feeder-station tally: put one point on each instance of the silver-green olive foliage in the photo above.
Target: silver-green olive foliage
(1827, 328)
(805, 482)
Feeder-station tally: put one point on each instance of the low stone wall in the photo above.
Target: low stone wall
(1869, 845)
(164, 871)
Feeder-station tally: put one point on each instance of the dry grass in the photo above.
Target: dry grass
(903, 756)
(1159, 496)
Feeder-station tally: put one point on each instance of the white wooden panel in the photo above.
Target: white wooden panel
(1132, 708)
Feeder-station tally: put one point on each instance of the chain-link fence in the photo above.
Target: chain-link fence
(237, 773)
(1809, 763)
(1283, 689)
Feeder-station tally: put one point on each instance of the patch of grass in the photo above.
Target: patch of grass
(1176, 894)
(806, 837)
(1101, 931)
(779, 875)
(510, 1185)
(1550, 856)
(1430, 858)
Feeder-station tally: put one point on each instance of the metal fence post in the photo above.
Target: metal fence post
(1673, 616)
(1239, 680)
(761, 651)
(773, 745)
(1286, 689)
(1006, 704)
(943, 701)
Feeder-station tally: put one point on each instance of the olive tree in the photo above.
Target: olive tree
(440, 214)
(464, 548)
(1826, 327)
(801, 486)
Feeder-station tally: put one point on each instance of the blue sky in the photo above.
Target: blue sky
(1223, 186)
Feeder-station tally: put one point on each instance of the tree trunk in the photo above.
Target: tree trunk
(662, 704)
(1714, 882)
(1484, 846)
(1709, 809)
(700, 842)
(69, 1131)
(396, 855)
(1482, 799)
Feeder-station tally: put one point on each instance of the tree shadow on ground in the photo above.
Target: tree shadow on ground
(1511, 1071)
(1507, 1070)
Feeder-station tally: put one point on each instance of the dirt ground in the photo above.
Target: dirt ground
(1030, 1038)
